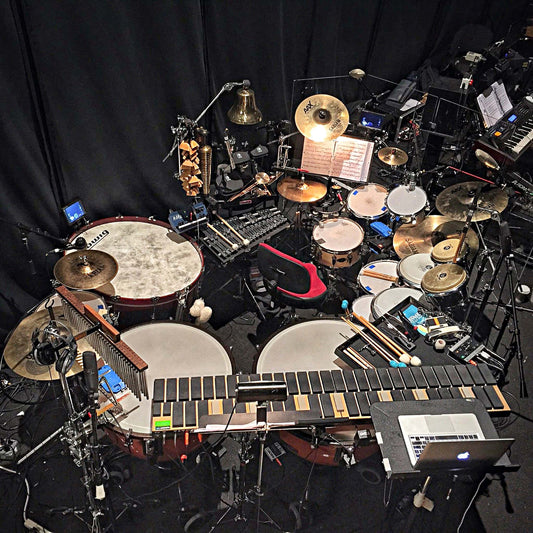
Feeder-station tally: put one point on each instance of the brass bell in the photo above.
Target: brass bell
(244, 111)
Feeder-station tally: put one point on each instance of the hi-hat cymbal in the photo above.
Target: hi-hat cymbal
(301, 191)
(321, 117)
(392, 156)
(19, 347)
(487, 159)
(86, 269)
(412, 239)
(455, 201)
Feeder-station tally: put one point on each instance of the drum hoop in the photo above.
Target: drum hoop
(338, 252)
(444, 293)
(400, 274)
(143, 302)
(115, 426)
(374, 303)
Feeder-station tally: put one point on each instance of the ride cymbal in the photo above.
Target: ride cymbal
(455, 201)
(321, 117)
(412, 239)
(301, 191)
(86, 269)
(392, 156)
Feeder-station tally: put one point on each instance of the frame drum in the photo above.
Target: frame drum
(168, 348)
(311, 346)
(158, 270)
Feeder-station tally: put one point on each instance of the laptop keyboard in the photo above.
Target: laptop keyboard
(418, 442)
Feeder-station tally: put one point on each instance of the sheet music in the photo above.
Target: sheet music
(345, 157)
(495, 104)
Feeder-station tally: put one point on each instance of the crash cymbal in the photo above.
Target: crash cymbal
(392, 156)
(443, 278)
(455, 201)
(301, 191)
(85, 269)
(412, 239)
(487, 159)
(17, 352)
(321, 117)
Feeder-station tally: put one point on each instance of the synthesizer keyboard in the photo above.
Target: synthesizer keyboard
(320, 397)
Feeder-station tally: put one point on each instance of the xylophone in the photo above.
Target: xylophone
(319, 397)
(105, 339)
(254, 227)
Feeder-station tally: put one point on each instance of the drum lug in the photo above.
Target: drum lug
(128, 440)
(154, 300)
(153, 447)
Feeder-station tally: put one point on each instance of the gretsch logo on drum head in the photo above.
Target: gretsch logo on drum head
(97, 239)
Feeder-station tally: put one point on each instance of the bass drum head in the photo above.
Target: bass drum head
(304, 346)
(169, 348)
(390, 298)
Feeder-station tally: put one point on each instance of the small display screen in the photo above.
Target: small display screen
(371, 120)
(73, 212)
(512, 118)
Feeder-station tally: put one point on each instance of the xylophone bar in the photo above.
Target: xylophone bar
(326, 396)
(106, 341)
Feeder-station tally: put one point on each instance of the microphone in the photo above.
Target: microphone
(357, 73)
(232, 84)
(90, 372)
(79, 244)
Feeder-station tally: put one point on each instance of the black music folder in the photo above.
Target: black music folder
(396, 460)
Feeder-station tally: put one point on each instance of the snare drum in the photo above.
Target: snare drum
(446, 285)
(338, 242)
(390, 298)
(376, 285)
(413, 267)
(171, 350)
(311, 346)
(158, 270)
(368, 201)
(407, 204)
(362, 307)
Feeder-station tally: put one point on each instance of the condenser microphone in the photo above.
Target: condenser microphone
(79, 244)
(90, 372)
(357, 73)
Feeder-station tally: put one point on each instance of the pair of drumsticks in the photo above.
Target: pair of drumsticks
(234, 245)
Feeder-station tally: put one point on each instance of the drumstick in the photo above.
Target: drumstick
(379, 349)
(364, 363)
(233, 245)
(403, 356)
(246, 242)
(379, 275)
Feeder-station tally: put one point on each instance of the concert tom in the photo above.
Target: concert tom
(407, 203)
(386, 268)
(413, 267)
(388, 299)
(158, 270)
(168, 348)
(445, 285)
(368, 201)
(338, 242)
(311, 346)
(362, 306)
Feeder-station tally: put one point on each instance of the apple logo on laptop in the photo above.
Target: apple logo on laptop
(463, 456)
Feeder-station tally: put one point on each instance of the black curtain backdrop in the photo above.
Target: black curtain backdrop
(90, 89)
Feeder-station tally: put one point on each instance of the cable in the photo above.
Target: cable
(471, 502)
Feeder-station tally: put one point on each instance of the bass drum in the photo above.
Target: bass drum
(158, 270)
(171, 350)
(311, 346)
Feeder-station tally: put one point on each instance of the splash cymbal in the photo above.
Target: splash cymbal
(301, 191)
(321, 117)
(455, 201)
(412, 239)
(85, 269)
(392, 156)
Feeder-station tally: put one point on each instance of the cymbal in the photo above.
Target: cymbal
(301, 191)
(392, 156)
(412, 239)
(443, 278)
(19, 345)
(487, 159)
(455, 201)
(85, 269)
(321, 117)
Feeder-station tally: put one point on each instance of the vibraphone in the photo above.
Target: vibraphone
(321, 397)
(256, 227)
(106, 341)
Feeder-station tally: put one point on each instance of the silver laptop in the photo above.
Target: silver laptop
(419, 430)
